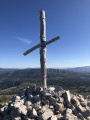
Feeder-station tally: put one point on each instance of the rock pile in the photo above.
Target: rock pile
(34, 103)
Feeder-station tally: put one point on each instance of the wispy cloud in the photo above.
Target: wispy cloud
(24, 40)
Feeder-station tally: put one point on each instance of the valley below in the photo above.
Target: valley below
(14, 80)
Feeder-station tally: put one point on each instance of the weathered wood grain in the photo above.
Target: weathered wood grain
(43, 49)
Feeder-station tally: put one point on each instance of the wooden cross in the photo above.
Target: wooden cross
(43, 48)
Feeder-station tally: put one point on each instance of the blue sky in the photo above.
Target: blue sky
(20, 30)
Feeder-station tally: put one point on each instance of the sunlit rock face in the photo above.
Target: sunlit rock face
(34, 103)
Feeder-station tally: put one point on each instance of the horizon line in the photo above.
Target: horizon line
(39, 67)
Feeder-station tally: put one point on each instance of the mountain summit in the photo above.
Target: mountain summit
(34, 103)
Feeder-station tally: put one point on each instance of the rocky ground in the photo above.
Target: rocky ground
(34, 103)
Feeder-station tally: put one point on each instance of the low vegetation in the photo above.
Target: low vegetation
(5, 98)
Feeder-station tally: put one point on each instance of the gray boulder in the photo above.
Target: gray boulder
(46, 115)
(67, 97)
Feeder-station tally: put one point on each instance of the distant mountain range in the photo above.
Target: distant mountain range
(5, 70)
(80, 69)
(77, 69)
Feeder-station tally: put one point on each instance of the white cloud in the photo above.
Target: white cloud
(24, 40)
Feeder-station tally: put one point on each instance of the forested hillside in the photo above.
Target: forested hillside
(76, 81)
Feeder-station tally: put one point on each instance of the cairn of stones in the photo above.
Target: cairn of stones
(34, 103)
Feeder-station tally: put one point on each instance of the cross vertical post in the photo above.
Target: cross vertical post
(42, 46)
(43, 49)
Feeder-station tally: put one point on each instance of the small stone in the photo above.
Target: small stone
(80, 116)
(69, 117)
(88, 97)
(46, 115)
(36, 98)
(22, 110)
(52, 100)
(61, 100)
(59, 106)
(81, 98)
(28, 104)
(69, 111)
(31, 90)
(86, 113)
(47, 94)
(16, 98)
(51, 107)
(88, 103)
(43, 109)
(77, 104)
(30, 97)
(38, 90)
(1, 109)
(16, 118)
(16, 104)
(88, 118)
(46, 102)
(52, 88)
(83, 104)
(33, 113)
(53, 117)
(22, 101)
(59, 116)
(58, 88)
(37, 106)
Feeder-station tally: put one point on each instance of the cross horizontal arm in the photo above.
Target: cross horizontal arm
(53, 40)
(41, 44)
(33, 48)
